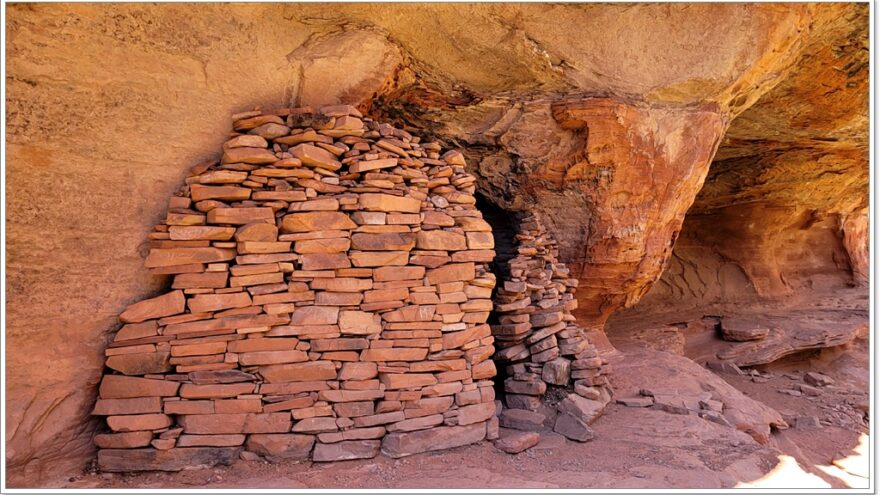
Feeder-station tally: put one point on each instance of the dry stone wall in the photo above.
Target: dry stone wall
(538, 338)
(329, 300)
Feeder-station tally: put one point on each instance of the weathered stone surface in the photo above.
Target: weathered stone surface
(299, 372)
(522, 419)
(281, 446)
(315, 425)
(309, 246)
(359, 323)
(127, 440)
(818, 379)
(231, 440)
(168, 304)
(137, 330)
(441, 240)
(189, 407)
(796, 335)
(572, 427)
(384, 242)
(379, 258)
(136, 405)
(127, 460)
(140, 363)
(636, 401)
(582, 408)
(402, 354)
(228, 376)
(248, 155)
(199, 232)
(476, 413)
(204, 303)
(241, 216)
(452, 272)
(271, 357)
(388, 203)
(514, 442)
(346, 450)
(358, 371)
(192, 391)
(419, 423)
(259, 232)
(209, 424)
(207, 280)
(394, 381)
(325, 261)
(223, 193)
(742, 331)
(315, 315)
(557, 372)
(121, 387)
(392, 273)
(314, 156)
(316, 220)
(402, 444)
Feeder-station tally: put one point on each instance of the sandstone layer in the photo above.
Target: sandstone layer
(108, 105)
(784, 207)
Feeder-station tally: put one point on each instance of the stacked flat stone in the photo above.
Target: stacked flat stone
(536, 334)
(329, 299)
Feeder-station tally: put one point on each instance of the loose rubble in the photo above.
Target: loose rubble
(535, 332)
(329, 300)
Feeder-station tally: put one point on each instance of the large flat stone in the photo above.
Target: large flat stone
(316, 220)
(514, 442)
(388, 203)
(281, 446)
(121, 387)
(178, 459)
(299, 372)
(127, 440)
(210, 424)
(346, 450)
(403, 444)
(395, 241)
(168, 304)
(141, 363)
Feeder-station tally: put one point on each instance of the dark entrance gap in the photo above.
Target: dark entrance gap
(504, 229)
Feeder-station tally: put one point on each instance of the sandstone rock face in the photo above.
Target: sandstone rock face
(113, 156)
(783, 210)
(690, 381)
(591, 165)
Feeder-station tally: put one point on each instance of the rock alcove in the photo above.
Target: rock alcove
(611, 145)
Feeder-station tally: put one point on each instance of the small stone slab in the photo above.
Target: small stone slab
(522, 419)
(573, 428)
(636, 401)
(281, 446)
(735, 330)
(346, 450)
(402, 444)
(514, 442)
(818, 379)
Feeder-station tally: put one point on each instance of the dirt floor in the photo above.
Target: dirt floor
(635, 447)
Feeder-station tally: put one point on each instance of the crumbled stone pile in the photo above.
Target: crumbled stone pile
(329, 300)
(537, 336)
